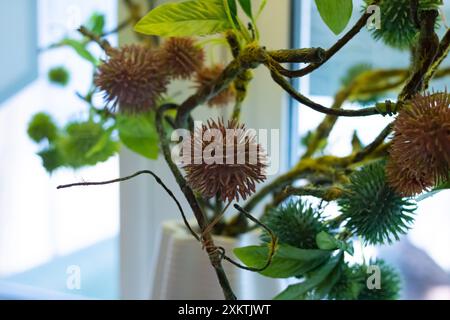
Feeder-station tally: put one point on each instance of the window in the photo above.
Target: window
(44, 231)
(429, 239)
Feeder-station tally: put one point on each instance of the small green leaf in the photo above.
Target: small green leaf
(86, 144)
(42, 126)
(246, 5)
(261, 8)
(80, 48)
(335, 13)
(96, 23)
(318, 278)
(326, 241)
(231, 10)
(51, 159)
(59, 76)
(138, 133)
(287, 262)
(188, 18)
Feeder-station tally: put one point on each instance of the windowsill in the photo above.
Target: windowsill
(99, 265)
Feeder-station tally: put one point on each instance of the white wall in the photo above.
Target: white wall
(144, 205)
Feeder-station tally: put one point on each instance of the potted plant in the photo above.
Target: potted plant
(219, 163)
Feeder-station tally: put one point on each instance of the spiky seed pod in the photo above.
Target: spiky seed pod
(224, 160)
(42, 127)
(420, 152)
(182, 57)
(398, 29)
(59, 76)
(206, 76)
(133, 77)
(390, 283)
(373, 209)
(295, 223)
(352, 284)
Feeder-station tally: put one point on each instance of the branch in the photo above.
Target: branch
(158, 180)
(308, 55)
(424, 55)
(214, 255)
(361, 155)
(443, 50)
(323, 130)
(283, 83)
(273, 243)
(250, 58)
(327, 194)
(335, 48)
(104, 44)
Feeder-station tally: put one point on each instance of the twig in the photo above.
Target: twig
(443, 50)
(214, 255)
(283, 83)
(104, 44)
(327, 194)
(374, 145)
(335, 48)
(250, 58)
(307, 55)
(158, 180)
(272, 248)
(119, 27)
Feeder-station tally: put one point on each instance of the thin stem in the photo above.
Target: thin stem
(443, 50)
(250, 58)
(272, 248)
(214, 255)
(374, 145)
(307, 55)
(104, 44)
(158, 180)
(327, 194)
(283, 83)
(335, 48)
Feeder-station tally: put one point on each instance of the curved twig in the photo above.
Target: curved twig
(334, 49)
(272, 249)
(158, 180)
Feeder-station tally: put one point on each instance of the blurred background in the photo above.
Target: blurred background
(111, 235)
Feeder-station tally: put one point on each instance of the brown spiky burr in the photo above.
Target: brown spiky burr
(133, 77)
(224, 160)
(420, 152)
(182, 57)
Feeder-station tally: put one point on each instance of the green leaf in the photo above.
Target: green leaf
(41, 127)
(138, 133)
(261, 8)
(324, 278)
(326, 241)
(189, 18)
(51, 159)
(86, 144)
(96, 23)
(335, 13)
(80, 48)
(231, 10)
(287, 262)
(246, 5)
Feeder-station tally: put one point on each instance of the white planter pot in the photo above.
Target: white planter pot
(183, 270)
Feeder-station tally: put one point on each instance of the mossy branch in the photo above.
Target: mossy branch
(214, 255)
